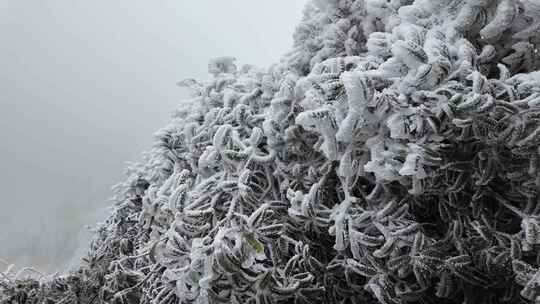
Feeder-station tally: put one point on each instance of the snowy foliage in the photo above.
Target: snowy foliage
(391, 157)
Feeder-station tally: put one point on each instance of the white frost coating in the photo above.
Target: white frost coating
(392, 138)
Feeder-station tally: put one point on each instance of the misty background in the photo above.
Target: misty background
(85, 84)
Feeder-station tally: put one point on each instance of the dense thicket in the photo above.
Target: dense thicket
(391, 157)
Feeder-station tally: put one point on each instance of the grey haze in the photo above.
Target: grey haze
(84, 84)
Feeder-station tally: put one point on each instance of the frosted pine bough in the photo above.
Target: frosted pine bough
(391, 157)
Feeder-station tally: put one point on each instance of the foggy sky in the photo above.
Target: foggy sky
(85, 84)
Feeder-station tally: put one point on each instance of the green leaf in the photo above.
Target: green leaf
(256, 245)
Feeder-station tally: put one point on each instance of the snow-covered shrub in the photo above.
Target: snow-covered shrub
(392, 157)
